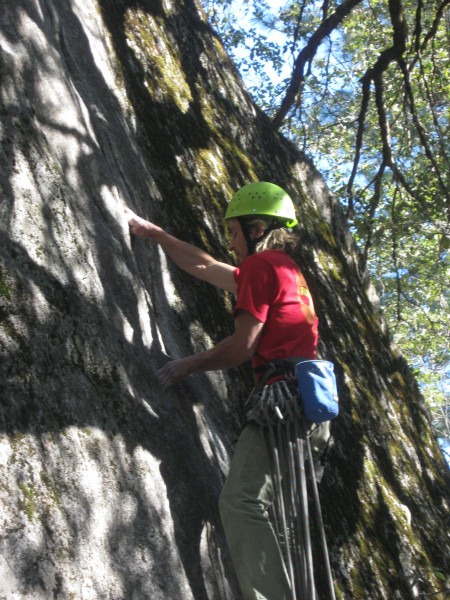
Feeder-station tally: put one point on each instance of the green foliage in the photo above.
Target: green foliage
(387, 160)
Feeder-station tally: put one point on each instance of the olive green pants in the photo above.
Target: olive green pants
(244, 503)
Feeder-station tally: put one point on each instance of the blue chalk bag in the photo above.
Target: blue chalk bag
(316, 384)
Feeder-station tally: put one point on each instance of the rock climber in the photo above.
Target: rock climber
(274, 318)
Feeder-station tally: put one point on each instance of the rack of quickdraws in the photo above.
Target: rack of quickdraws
(280, 413)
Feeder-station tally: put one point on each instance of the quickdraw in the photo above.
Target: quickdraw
(277, 410)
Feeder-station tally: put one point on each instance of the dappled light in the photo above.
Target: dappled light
(110, 483)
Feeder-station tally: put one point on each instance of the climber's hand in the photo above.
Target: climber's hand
(139, 226)
(175, 370)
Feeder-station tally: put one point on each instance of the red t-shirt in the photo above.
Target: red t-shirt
(271, 287)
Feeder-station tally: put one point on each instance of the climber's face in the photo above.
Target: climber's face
(238, 244)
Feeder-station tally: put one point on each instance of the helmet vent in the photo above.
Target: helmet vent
(265, 199)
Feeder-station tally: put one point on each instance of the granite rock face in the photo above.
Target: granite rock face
(109, 484)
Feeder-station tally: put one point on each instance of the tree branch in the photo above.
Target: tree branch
(325, 9)
(395, 257)
(422, 134)
(393, 53)
(384, 123)
(386, 137)
(418, 27)
(439, 14)
(359, 140)
(396, 51)
(307, 54)
(437, 125)
(297, 25)
(373, 205)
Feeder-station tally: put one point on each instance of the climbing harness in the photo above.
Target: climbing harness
(278, 409)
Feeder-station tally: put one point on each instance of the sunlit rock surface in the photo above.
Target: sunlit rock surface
(109, 485)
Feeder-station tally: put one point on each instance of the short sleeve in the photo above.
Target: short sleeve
(255, 287)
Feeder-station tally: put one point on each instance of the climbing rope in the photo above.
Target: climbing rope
(277, 410)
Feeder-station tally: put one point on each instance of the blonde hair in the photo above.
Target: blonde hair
(277, 239)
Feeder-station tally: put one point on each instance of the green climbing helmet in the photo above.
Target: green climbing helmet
(262, 199)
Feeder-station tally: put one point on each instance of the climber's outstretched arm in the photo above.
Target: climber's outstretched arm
(191, 259)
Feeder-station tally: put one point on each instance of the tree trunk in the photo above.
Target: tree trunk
(110, 484)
